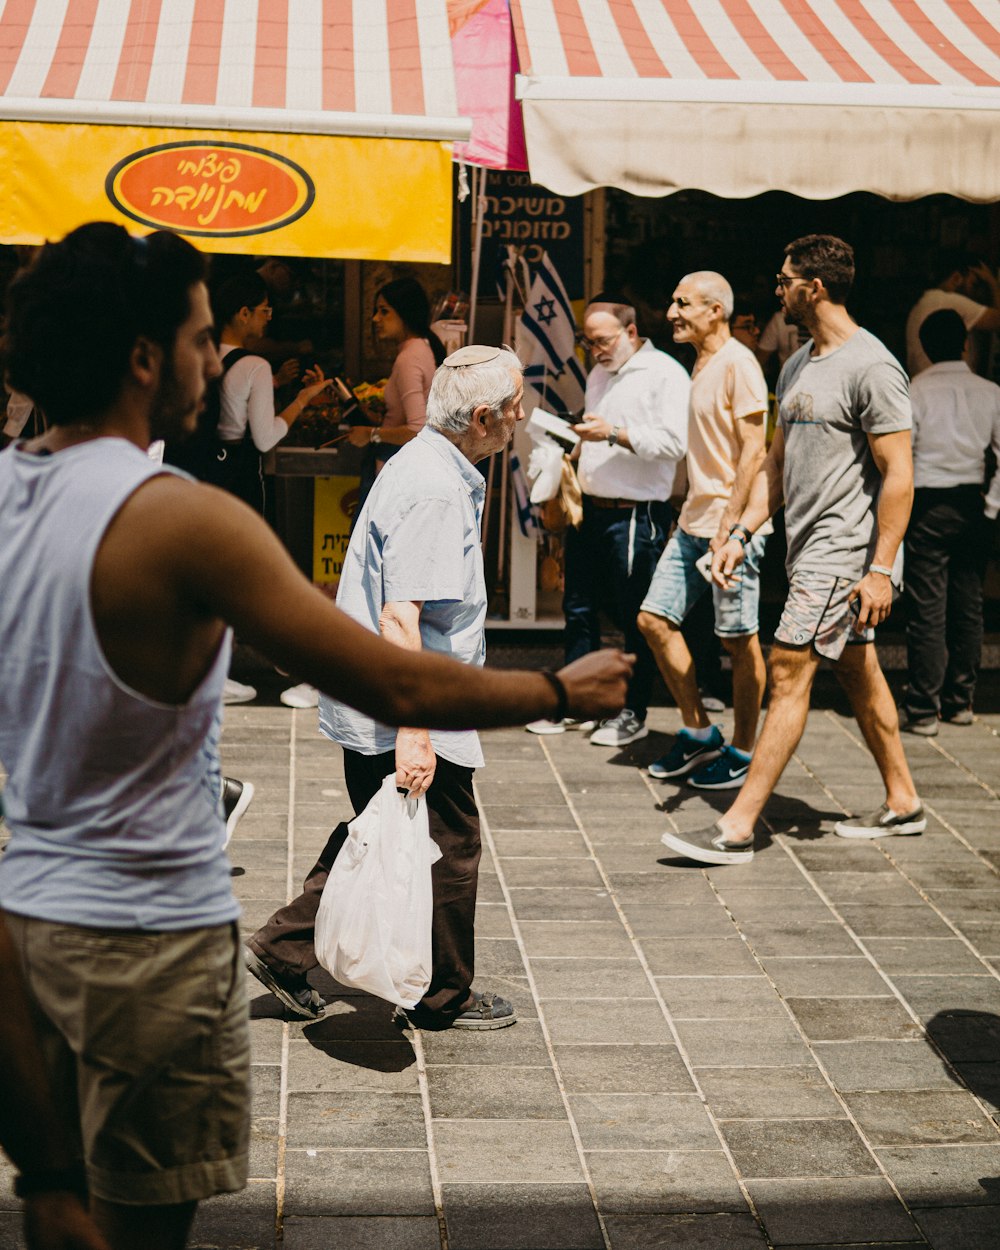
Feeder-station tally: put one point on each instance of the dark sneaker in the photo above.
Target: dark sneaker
(488, 1011)
(295, 992)
(620, 730)
(883, 824)
(925, 726)
(559, 726)
(687, 753)
(236, 797)
(709, 846)
(727, 772)
(960, 716)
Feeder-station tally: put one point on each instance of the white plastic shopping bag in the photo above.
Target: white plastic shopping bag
(373, 927)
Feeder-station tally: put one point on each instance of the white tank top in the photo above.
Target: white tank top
(112, 799)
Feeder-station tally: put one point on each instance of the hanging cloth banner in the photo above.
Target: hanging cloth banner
(245, 192)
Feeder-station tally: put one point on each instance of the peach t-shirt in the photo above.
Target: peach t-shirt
(409, 385)
(728, 388)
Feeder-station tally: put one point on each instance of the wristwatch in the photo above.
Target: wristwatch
(613, 436)
(376, 437)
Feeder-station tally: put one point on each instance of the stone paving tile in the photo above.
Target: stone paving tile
(589, 978)
(561, 872)
(850, 1019)
(519, 1046)
(351, 1232)
(920, 1117)
(562, 904)
(527, 1151)
(883, 1065)
(961, 1228)
(720, 998)
(738, 1093)
(868, 920)
(797, 1148)
(354, 1119)
(699, 957)
(358, 1182)
(566, 843)
(511, 1217)
(931, 1176)
(241, 1221)
(685, 1232)
(679, 920)
(801, 976)
(859, 1210)
(925, 956)
(606, 1020)
(494, 1093)
(642, 1122)
(650, 1182)
(611, 1068)
(767, 1043)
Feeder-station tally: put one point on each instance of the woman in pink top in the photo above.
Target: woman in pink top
(401, 316)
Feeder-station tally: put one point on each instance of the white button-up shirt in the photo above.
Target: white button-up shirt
(956, 416)
(417, 540)
(647, 397)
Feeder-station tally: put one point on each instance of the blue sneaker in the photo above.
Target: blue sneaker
(728, 771)
(687, 753)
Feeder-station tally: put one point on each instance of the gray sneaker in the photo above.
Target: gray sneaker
(546, 726)
(294, 992)
(882, 824)
(709, 846)
(620, 730)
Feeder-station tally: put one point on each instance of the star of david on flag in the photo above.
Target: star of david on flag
(546, 345)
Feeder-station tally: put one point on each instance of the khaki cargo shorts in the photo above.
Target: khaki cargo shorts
(145, 1036)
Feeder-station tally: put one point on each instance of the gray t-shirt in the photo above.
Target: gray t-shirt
(828, 405)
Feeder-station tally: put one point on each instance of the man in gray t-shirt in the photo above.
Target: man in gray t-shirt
(841, 463)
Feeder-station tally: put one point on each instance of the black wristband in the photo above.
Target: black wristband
(740, 533)
(72, 1179)
(562, 706)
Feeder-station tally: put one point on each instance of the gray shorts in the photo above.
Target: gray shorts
(145, 1035)
(817, 613)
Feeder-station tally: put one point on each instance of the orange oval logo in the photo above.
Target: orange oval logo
(205, 188)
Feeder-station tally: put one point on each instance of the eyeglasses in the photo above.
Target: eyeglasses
(785, 280)
(266, 309)
(602, 344)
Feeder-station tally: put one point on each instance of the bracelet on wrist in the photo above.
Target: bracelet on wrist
(72, 1179)
(740, 533)
(562, 698)
(880, 568)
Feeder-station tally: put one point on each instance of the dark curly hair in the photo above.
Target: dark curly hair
(74, 315)
(828, 258)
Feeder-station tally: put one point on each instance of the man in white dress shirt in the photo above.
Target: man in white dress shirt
(956, 416)
(632, 436)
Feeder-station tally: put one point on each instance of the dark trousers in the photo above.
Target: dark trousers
(609, 564)
(945, 565)
(285, 942)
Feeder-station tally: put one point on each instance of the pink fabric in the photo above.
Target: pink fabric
(485, 57)
(409, 384)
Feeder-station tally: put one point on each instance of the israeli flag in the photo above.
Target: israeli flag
(546, 345)
(527, 512)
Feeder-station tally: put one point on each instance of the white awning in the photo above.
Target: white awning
(737, 97)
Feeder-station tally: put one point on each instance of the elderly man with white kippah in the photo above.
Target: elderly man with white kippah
(414, 572)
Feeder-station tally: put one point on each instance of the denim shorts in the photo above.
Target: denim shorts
(677, 586)
(817, 613)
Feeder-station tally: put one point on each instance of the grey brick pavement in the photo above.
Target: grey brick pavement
(803, 1051)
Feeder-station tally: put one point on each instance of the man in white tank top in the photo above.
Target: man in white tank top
(121, 581)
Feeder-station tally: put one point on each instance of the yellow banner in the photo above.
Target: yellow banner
(291, 195)
(334, 502)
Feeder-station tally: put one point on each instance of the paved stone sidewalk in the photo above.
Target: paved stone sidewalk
(803, 1051)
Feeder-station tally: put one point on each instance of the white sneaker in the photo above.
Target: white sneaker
(236, 692)
(560, 726)
(302, 695)
(619, 730)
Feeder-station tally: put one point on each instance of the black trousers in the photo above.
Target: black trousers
(610, 561)
(945, 566)
(285, 942)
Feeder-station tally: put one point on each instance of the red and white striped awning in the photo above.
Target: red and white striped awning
(343, 67)
(818, 97)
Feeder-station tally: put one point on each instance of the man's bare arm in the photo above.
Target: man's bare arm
(180, 559)
(765, 498)
(750, 432)
(415, 759)
(893, 456)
